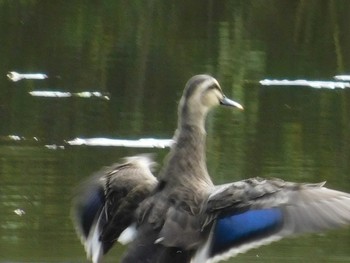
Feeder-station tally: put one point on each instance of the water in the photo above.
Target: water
(141, 54)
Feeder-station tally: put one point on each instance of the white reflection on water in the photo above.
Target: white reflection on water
(13, 137)
(61, 94)
(19, 212)
(15, 76)
(140, 143)
(342, 77)
(307, 83)
(50, 94)
(54, 147)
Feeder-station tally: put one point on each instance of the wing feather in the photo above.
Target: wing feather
(105, 205)
(305, 208)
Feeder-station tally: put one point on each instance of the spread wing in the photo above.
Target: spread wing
(104, 206)
(255, 212)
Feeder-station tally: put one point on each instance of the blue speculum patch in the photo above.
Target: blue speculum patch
(245, 227)
(90, 209)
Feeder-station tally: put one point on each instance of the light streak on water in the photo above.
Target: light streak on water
(306, 83)
(61, 94)
(15, 76)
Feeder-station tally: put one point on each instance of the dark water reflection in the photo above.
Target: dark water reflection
(142, 53)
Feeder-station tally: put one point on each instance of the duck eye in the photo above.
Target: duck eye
(213, 87)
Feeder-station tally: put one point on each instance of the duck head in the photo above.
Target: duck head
(201, 93)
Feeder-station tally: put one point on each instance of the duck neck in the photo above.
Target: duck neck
(187, 159)
(191, 119)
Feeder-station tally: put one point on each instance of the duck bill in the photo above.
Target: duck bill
(227, 102)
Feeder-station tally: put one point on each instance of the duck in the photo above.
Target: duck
(181, 215)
